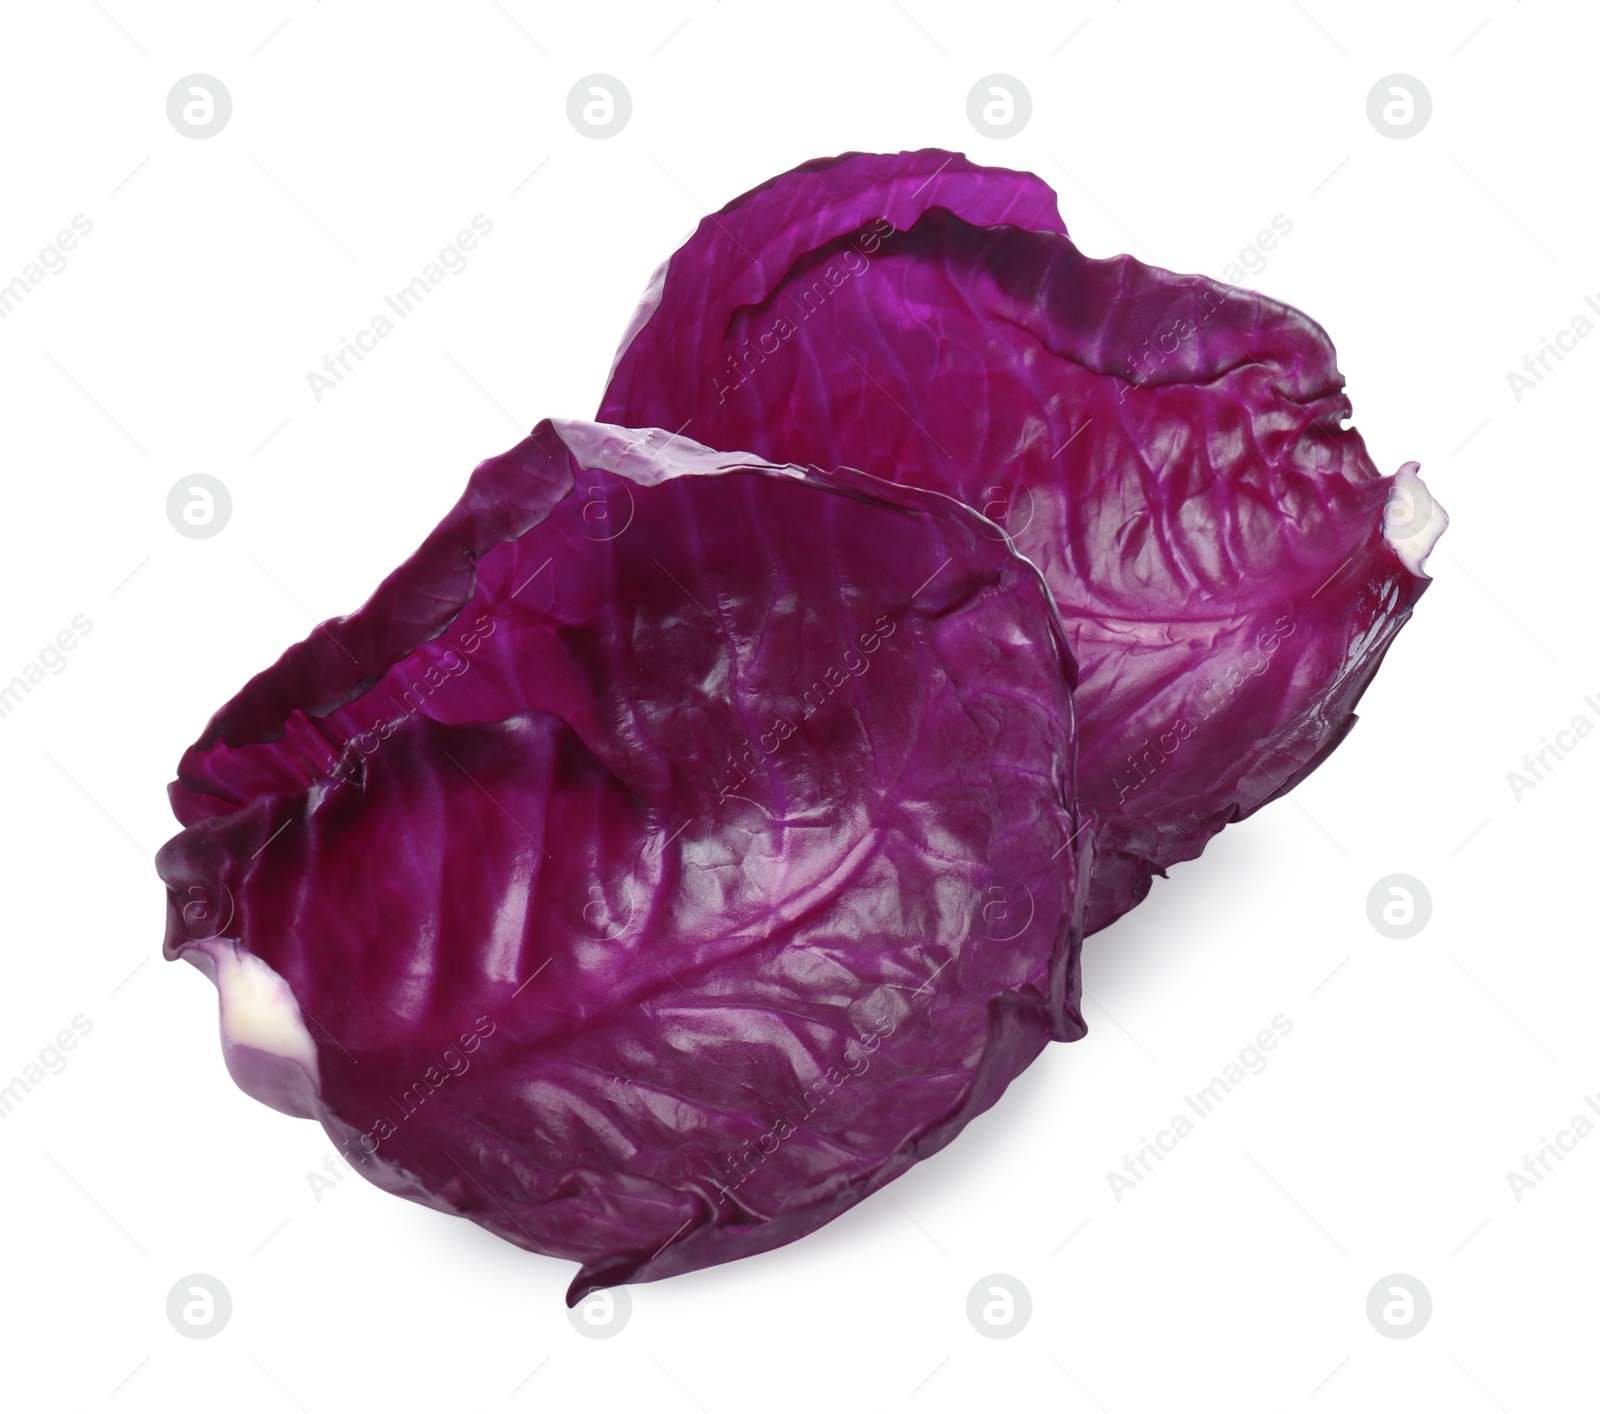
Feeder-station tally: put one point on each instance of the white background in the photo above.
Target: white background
(177, 340)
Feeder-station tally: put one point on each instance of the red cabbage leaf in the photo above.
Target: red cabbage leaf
(1229, 563)
(676, 848)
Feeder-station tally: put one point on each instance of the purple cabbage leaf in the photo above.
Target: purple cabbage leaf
(675, 849)
(1169, 451)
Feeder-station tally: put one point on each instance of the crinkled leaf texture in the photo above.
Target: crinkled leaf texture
(1229, 564)
(672, 851)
